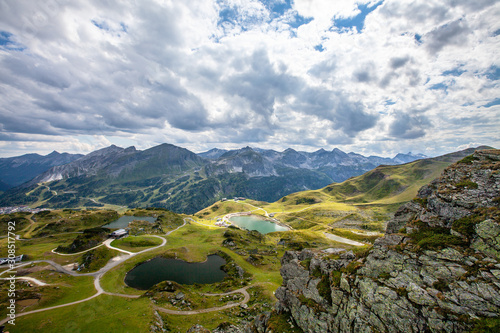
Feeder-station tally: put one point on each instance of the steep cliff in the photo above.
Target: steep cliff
(437, 268)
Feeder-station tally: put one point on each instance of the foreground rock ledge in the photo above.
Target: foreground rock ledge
(437, 268)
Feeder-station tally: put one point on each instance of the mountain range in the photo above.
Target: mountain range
(178, 179)
(17, 170)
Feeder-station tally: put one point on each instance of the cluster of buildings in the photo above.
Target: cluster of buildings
(119, 233)
(235, 199)
(16, 209)
(16, 259)
(222, 223)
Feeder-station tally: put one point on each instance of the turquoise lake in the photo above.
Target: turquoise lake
(252, 222)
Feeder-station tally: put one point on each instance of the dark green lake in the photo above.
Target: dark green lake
(159, 269)
(123, 221)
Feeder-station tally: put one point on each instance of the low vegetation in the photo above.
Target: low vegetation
(433, 238)
(96, 259)
(136, 243)
(88, 239)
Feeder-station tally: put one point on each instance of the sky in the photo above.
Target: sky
(372, 77)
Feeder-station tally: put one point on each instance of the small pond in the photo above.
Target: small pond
(253, 222)
(159, 269)
(123, 221)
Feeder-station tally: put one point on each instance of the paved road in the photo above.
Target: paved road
(225, 307)
(72, 254)
(343, 240)
(97, 276)
(111, 264)
(107, 242)
(27, 278)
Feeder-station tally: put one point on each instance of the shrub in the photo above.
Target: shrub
(439, 241)
(421, 201)
(352, 267)
(466, 224)
(401, 291)
(324, 288)
(487, 325)
(283, 322)
(428, 238)
(335, 276)
(305, 200)
(441, 285)
(468, 159)
(467, 183)
(306, 263)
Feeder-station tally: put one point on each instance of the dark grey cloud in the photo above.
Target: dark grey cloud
(344, 114)
(180, 108)
(453, 33)
(243, 134)
(366, 73)
(415, 11)
(409, 126)
(404, 67)
(113, 88)
(324, 70)
(472, 5)
(398, 62)
(260, 84)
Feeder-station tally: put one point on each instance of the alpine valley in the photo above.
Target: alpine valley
(175, 178)
(411, 247)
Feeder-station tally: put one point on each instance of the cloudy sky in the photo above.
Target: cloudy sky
(373, 77)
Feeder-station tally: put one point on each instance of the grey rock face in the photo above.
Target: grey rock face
(402, 285)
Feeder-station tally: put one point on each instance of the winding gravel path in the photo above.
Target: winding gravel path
(225, 307)
(72, 254)
(27, 278)
(343, 240)
(97, 276)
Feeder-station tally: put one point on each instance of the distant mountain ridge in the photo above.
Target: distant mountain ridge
(213, 154)
(17, 170)
(115, 161)
(335, 164)
(177, 179)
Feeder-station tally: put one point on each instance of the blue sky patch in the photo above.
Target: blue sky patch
(454, 72)
(232, 15)
(493, 73)
(319, 48)
(440, 86)
(7, 42)
(5, 38)
(492, 103)
(228, 15)
(277, 7)
(357, 21)
(101, 25)
(299, 20)
(418, 38)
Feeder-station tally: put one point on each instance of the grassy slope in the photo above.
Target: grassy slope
(387, 184)
(363, 202)
(136, 243)
(127, 315)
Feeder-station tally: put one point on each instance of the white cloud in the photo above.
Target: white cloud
(221, 73)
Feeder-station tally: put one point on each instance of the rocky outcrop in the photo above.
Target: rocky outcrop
(437, 268)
